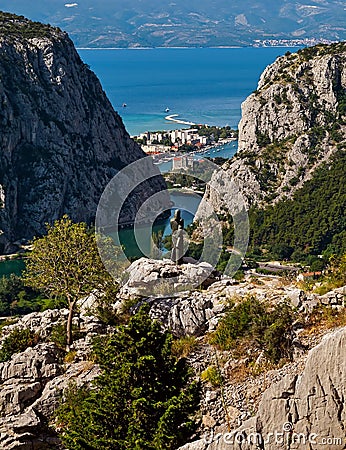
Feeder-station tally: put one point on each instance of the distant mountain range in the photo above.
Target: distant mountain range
(154, 23)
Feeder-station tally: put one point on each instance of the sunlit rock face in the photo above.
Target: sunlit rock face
(61, 141)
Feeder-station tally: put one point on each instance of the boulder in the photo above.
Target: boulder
(149, 277)
(183, 315)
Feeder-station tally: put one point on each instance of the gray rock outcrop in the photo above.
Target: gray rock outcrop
(61, 142)
(188, 315)
(147, 277)
(32, 382)
(300, 411)
(290, 125)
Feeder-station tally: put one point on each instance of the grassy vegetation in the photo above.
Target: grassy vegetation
(257, 325)
(181, 348)
(324, 318)
(334, 277)
(213, 376)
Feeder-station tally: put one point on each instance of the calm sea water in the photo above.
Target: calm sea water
(202, 85)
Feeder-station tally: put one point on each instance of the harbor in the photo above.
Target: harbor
(170, 149)
(225, 150)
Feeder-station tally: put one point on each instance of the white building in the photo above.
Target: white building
(183, 163)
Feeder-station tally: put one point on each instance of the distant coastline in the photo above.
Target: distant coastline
(256, 44)
(185, 48)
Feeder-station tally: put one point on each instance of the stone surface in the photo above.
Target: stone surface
(187, 312)
(187, 316)
(294, 95)
(308, 408)
(149, 277)
(44, 322)
(61, 140)
(31, 386)
(313, 403)
(32, 382)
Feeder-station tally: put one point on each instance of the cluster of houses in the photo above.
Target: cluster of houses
(155, 142)
(307, 42)
(184, 163)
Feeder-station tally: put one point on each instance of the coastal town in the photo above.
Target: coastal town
(299, 42)
(181, 144)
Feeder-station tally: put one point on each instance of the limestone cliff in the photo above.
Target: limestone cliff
(300, 411)
(61, 142)
(291, 124)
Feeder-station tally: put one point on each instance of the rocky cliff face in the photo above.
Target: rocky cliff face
(32, 382)
(291, 124)
(300, 411)
(61, 142)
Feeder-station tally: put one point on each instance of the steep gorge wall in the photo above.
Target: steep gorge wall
(290, 125)
(61, 142)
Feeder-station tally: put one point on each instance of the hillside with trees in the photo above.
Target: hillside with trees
(313, 222)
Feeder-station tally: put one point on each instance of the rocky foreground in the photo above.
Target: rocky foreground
(307, 393)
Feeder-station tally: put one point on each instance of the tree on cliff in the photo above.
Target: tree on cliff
(66, 263)
(143, 400)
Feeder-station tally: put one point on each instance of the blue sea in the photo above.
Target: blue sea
(202, 85)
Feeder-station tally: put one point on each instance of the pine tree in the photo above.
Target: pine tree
(144, 398)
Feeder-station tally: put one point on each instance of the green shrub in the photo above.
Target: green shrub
(16, 342)
(145, 398)
(257, 324)
(277, 336)
(59, 337)
(239, 275)
(213, 375)
(238, 323)
(70, 356)
(262, 139)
